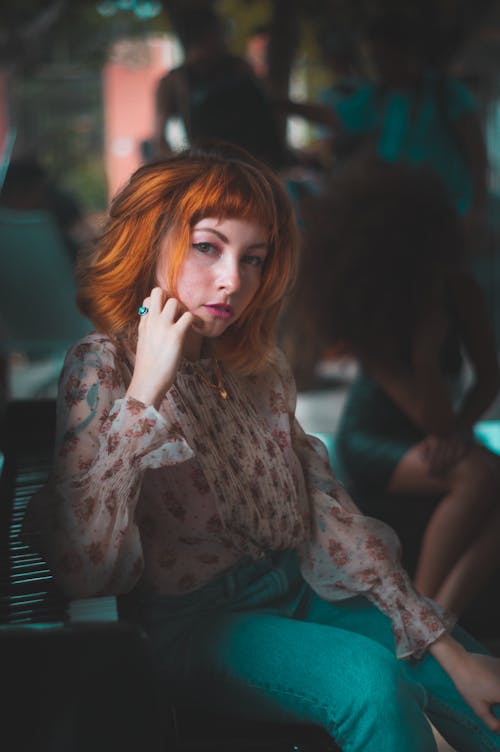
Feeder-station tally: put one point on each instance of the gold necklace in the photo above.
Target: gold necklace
(219, 386)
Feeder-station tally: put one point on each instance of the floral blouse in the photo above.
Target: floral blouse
(167, 499)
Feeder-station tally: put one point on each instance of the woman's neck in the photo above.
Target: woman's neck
(195, 346)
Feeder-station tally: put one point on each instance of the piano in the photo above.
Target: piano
(27, 591)
(72, 686)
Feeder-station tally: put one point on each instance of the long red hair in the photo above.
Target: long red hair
(166, 198)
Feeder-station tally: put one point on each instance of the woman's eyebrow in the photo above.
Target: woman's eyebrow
(225, 239)
(256, 246)
(219, 234)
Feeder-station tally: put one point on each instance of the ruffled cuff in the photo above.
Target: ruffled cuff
(351, 554)
(417, 622)
(139, 431)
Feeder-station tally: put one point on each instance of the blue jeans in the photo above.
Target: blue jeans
(258, 643)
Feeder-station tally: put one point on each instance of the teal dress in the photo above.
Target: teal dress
(374, 434)
(372, 438)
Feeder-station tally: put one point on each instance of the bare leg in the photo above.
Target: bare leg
(449, 556)
(473, 568)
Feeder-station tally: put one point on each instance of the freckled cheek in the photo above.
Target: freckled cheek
(191, 291)
(186, 296)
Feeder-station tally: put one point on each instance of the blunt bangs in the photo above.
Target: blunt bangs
(231, 191)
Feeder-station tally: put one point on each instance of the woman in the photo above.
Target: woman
(395, 293)
(183, 483)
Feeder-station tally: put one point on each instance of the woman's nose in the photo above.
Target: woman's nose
(229, 277)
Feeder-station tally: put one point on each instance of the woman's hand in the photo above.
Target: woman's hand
(480, 686)
(161, 336)
(440, 453)
(476, 677)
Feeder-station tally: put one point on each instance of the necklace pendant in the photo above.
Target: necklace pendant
(219, 387)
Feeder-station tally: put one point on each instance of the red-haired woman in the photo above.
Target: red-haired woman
(184, 485)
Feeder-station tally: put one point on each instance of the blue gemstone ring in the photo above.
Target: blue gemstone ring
(142, 310)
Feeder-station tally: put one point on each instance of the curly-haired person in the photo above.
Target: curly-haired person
(389, 287)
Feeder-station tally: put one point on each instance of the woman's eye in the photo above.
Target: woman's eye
(204, 247)
(253, 260)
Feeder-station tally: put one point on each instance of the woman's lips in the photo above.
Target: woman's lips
(220, 310)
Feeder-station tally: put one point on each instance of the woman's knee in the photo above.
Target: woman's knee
(478, 470)
(381, 684)
(384, 707)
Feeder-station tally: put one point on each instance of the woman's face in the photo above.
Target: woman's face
(221, 272)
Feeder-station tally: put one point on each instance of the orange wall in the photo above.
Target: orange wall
(129, 83)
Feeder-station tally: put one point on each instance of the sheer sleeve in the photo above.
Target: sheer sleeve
(349, 553)
(83, 522)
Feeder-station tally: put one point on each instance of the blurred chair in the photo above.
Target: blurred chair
(38, 314)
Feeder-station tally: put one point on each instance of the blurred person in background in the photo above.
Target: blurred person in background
(216, 94)
(29, 187)
(386, 285)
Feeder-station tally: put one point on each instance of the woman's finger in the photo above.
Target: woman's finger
(184, 323)
(143, 309)
(171, 309)
(486, 714)
(157, 297)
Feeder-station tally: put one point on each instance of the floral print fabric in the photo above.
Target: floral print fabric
(166, 500)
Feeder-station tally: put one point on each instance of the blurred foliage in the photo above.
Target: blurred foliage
(59, 116)
(34, 32)
(88, 182)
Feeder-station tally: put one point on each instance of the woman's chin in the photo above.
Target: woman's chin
(209, 328)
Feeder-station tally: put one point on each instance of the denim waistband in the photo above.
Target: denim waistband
(282, 565)
(250, 583)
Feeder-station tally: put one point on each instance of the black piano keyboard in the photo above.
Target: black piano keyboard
(27, 591)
